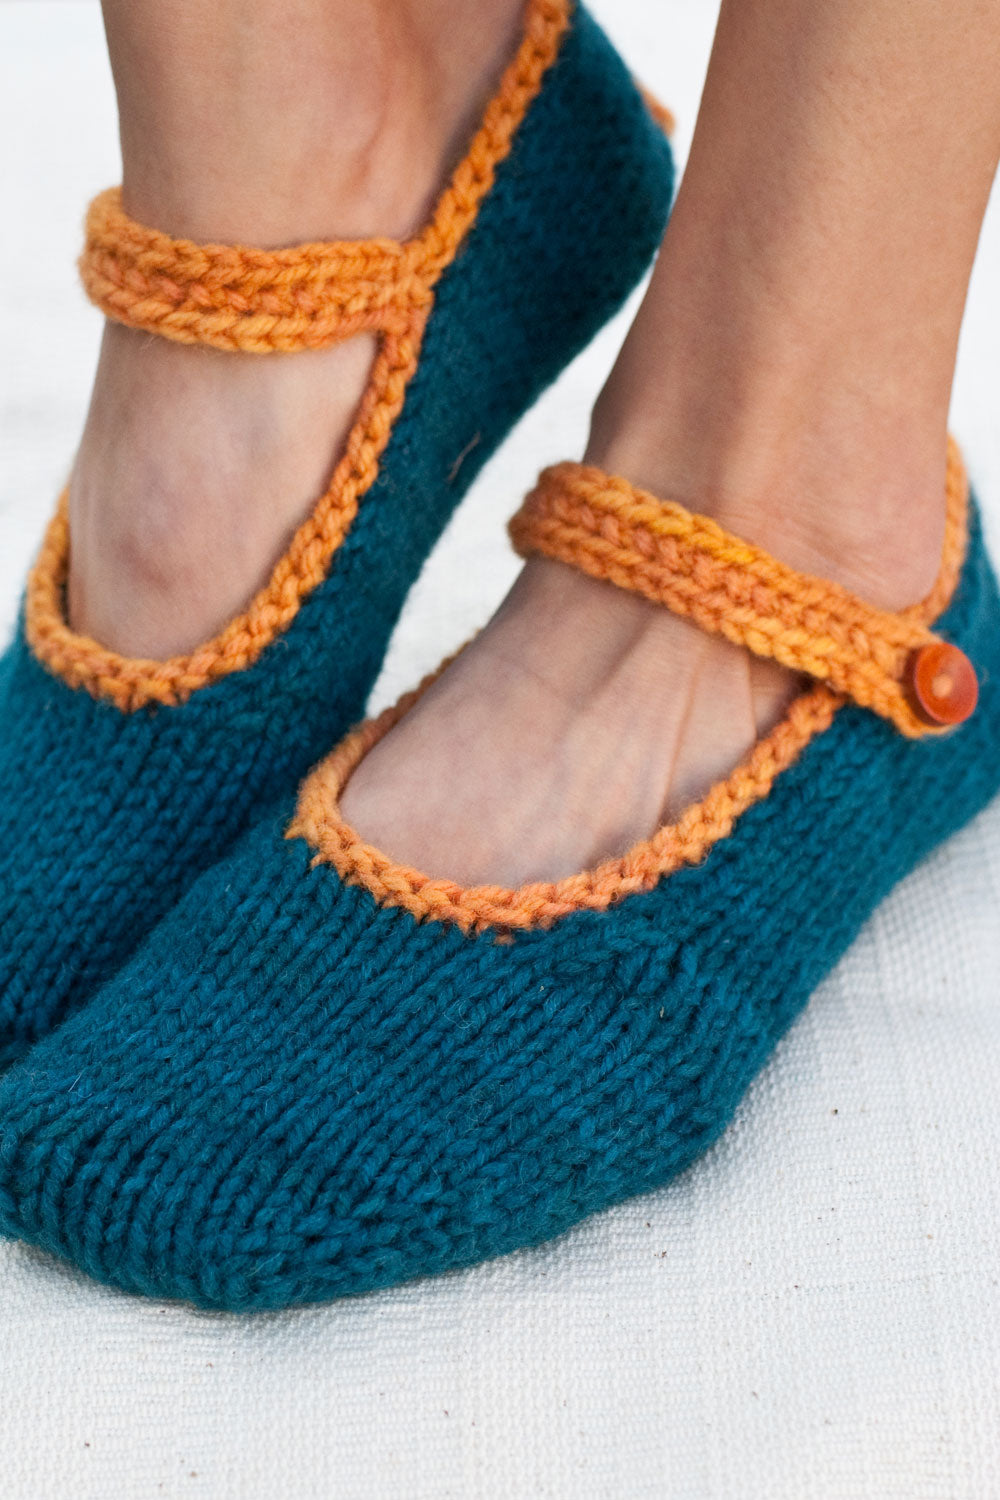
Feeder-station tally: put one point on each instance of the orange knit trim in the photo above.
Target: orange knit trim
(235, 297)
(131, 683)
(475, 908)
(685, 842)
(309, 296)
(663, 116)
(609, 529)
(281, 299)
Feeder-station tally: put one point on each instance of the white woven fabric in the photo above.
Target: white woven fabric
(811, 1312)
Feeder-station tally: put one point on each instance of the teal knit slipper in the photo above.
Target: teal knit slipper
(324, 1073)
(120, 781)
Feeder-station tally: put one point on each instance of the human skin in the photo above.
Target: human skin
(788, 372)
(264, 122)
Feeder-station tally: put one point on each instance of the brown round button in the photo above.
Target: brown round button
(944, 683)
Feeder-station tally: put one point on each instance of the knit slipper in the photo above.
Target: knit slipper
(123, 779)
(325, 1073)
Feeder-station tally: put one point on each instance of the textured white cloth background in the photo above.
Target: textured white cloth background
(811, 1312)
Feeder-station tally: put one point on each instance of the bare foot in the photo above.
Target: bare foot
(579, 720)
(248, 123)
(583, 717)
(789, 374)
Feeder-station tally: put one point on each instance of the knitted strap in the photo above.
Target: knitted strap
(891, 663)
(236, 297)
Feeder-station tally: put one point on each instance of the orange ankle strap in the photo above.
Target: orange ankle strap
(236, 297)
(891, 663)
(309, 296)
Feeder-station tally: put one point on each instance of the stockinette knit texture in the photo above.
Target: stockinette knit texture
(106, 816)
(293, 1092)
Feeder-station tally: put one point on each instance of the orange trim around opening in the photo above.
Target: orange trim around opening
(131, 683)
(478, 908)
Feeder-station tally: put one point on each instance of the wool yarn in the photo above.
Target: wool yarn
(312, 1081)
(121, 781)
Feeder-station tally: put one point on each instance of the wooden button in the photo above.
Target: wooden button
(944, 683)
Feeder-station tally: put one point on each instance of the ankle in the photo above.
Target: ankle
(194, 470)
(798, 395)
(831, 483)
(313, 122)
(195, 467)
(870, 519)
